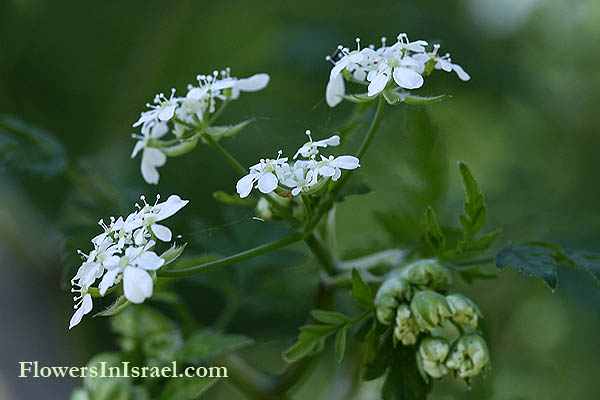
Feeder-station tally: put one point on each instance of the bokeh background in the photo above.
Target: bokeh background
(527, 125)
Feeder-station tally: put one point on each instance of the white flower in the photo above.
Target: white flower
(403, 45)
(331, 167)
(152, 157)
(93, 267)
(311, 148)
(162, 110)
(335, 90)
(134, 265)
(443, 63)
(403, 70)
(82, 307)
(263, 174)
(149, 215)
(298, 177)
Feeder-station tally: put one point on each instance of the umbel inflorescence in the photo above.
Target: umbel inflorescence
(187, 118)
(400, 66)
(124, 252)
(415, 303)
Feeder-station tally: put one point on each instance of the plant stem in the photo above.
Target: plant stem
(225, 154)
(244, 255)
(322, 254)
(389, 257)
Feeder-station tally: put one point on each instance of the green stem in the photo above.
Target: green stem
(214, 117)
(244, 255)
(391, 257)
(225, 154)
(322, 254)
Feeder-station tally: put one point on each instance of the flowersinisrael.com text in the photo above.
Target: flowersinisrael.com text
(32, 369)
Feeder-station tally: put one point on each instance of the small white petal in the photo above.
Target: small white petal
(161, 232)
(345, 162)
(149, 261)
(327, 171)
(378, 84)
(173, 204)
(139, 145)
(244, 185)
(462, 74)
(107, 281)
(407, 78)
(335, 89)
(167, 112)
(137, 284)
(253, 83)
(267, 183)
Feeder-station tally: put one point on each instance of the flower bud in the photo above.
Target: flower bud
(429, 274)
(432, 355)
(469, 356)
(406, 330)
(464, 311)
(263, 209)
(393, 292)
(429, 309)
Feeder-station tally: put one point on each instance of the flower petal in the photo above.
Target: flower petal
(167, 112)
(173, 204)
(149, 261)
(243, 187)
(378, 83)
(161, 232)
(407, 78)
(335, 89)
(462, 74)
(137, 284)
(345, 162)
(107, 281)
(267, 183)
(253, 83)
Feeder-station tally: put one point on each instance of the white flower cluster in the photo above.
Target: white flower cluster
(176, 115)
(124, 252)
(403, 63)
(302, 175)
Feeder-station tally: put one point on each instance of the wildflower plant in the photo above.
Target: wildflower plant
(410, 320)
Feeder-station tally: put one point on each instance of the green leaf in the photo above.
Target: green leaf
(233, 200)
(330, 317)
(219, 132)
(119, 305)
(207, 344)
(310, 341)
(361, 291)
(434, 234)
(382, 359)
(531, 260)
(403, 380)
(480, 244)
(26, 148)
(394, 97)
(586, 260)
(178, 149)
(340, 343)
(172, 253)
(371, 344)
(475, 208)
(187, 388)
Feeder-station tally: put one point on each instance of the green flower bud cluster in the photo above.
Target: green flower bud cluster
(415, 303)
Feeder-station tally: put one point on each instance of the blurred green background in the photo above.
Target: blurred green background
(527, 125)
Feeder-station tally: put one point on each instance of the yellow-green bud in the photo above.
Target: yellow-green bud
(263, 209)
(432, 356)
(406, 330)
(429, 309)
(394, 291)
(464, 311)
(428, 274)
(469, 356)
